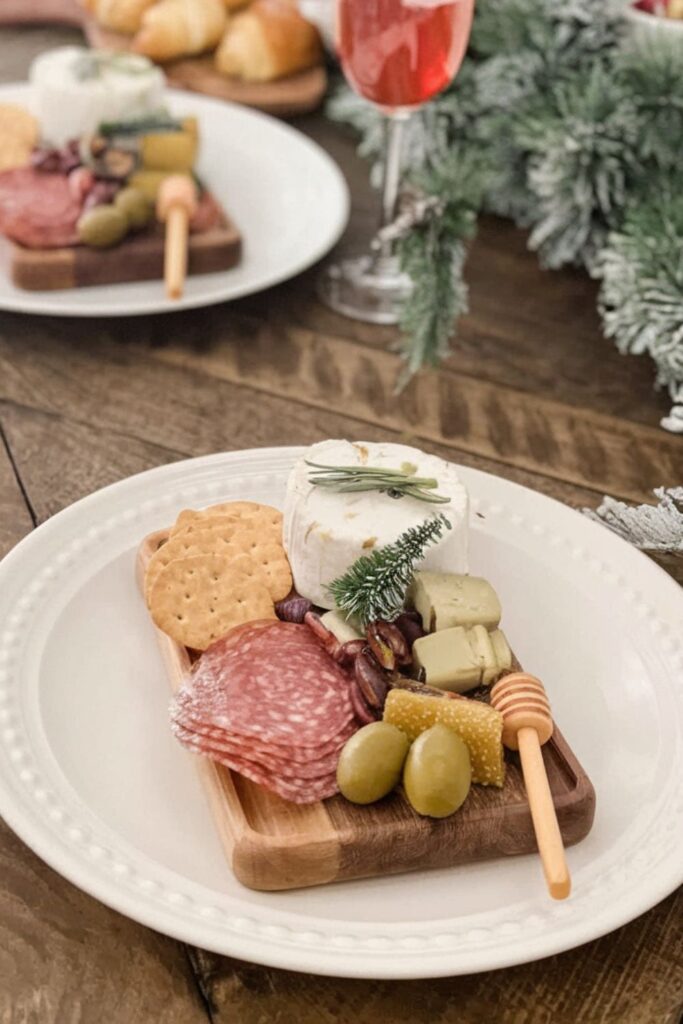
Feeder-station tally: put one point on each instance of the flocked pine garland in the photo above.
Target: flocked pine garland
(650, 527)
(561, 122)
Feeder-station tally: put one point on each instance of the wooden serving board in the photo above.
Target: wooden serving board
(271, 844)
(296, 94)
(139, 257)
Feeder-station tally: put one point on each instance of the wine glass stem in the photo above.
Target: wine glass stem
(395, 125)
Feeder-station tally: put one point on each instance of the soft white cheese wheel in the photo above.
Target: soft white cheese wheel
(75, 89)
(325, 531)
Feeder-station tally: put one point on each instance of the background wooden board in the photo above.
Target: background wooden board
(295, 94)
(139, 257)
(85, 403)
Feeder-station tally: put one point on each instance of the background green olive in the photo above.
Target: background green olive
(437, 773)
(371, 761)
(135, 206)
(102, 226)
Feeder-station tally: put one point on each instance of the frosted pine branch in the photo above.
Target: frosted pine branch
(650, 527)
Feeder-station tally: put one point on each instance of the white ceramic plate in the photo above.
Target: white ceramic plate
(287, 196)
(93, 781)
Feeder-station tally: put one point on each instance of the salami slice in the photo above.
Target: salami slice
(293, 788)
(276, 683)
(207, 215)
(296, 755)
(269, 702)
(37, 209)
(288, 769)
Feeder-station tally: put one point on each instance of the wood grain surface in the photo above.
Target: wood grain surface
(84, 403)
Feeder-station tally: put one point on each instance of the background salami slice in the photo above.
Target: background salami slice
(38, 210)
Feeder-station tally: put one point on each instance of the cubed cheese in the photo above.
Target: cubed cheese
(341, 627)
(458, 659)
(501, 649)
(446, 660)
(447, 599)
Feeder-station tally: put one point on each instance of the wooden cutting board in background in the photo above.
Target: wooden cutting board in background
(139, 257)
(273, 844)
(295, 94)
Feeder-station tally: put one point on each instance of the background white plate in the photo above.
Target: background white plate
(287, 196)
(92, 780)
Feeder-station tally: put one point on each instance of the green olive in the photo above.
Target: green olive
(371, 761)
(135, 206)
(437, 772)
(102, 226)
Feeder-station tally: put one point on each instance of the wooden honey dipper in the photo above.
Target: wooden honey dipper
(527, 725)
(176, 202)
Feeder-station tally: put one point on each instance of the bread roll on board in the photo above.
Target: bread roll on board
(178, 28)
(268, 40)
(118, 15)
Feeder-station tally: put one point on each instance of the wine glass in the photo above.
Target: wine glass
(398, 54)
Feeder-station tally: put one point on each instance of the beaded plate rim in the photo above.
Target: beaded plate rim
(80, 847)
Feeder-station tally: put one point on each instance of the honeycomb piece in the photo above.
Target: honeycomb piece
(477, 723)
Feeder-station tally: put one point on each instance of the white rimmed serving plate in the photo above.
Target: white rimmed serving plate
(286, 195)
(93, 781)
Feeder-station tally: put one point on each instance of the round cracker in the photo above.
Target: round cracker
(221, 525)
(238, 508)
(199, 543)
(17, 123)
(267, 556)
(261, 515)
(267, 560)
(198, 599)
(250, 510)
(13, 153)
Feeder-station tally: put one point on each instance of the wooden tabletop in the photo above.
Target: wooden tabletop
(533, 392)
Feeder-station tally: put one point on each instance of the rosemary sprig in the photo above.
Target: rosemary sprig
(375, 586)
(397, 483)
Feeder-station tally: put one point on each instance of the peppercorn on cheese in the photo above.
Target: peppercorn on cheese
(478, 724)
(325, 531)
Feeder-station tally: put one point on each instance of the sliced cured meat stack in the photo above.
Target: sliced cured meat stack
(269, 702)
(37, 209)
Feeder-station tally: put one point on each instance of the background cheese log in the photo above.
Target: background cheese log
(325, 532)
(475, 722)
(75, 89)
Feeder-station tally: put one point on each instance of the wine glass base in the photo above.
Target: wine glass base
(366, 288)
